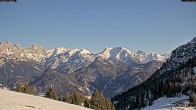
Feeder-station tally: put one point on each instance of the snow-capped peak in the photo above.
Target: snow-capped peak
(114, 52)
(155, 56)
(125, 55)
(84, 51)
(17, 45)
(56, 51)
(63, 55)
(140, 52)
(72, 52)
(118, 53)
(61, 50)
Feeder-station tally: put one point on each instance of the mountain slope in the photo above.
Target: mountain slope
(112, 71)
(110, 77)
(176, 76)
(11, 100)
(127, 56)
(62, 83)
(17, 63)
(67, 60)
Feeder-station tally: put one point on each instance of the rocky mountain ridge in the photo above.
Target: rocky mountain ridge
(109, 71)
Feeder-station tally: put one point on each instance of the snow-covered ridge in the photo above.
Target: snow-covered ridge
(155, 56)
(66, 58)
(9, 51)
(125, 55)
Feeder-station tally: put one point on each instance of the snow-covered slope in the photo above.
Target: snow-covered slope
(127, 56)
(155, 56)
(16, 52)
(165, 103)
(67, 60)
(11, 100)
(119, 53)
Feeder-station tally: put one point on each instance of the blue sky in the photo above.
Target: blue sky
(149, 25)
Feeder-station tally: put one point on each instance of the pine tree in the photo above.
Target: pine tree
(102, 102)
(34, 91)
(67, 98)
(26, 89)
(109, 105)
(77, 99)
(192, 98)
(98, 101)
(86, 103)
(19, 87)
(51, 93)
(95, 100)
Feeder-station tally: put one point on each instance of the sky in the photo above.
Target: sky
(148, 25)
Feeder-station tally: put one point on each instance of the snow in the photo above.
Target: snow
(155, 56)
(84, 51)
(125, 55)
(11, 100)
(56, 51)
(66, 58)
(194, 70)
(165, 103)
(72, 52)
(36, 68)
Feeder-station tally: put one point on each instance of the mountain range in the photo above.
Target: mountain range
(112, 71)
(177, 76)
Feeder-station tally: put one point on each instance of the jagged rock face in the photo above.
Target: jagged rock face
(16, 52)
(67, 61)
(17, 64)
(112, 71)
(129, 57)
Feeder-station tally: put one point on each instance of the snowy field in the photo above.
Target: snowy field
(10, 100)
(168, 104)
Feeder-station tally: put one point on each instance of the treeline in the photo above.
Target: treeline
(171, 83)
(25, 88)
(97, 100)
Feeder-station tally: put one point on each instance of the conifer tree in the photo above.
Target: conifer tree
(109, 105)
(77, 99)
(51, 93)
(34, 91)
(98, 101)
(26, 89)
(86, 103)
(19, 86)
(103, 105)
(95, 100)
(67, 98)
(192, 98)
